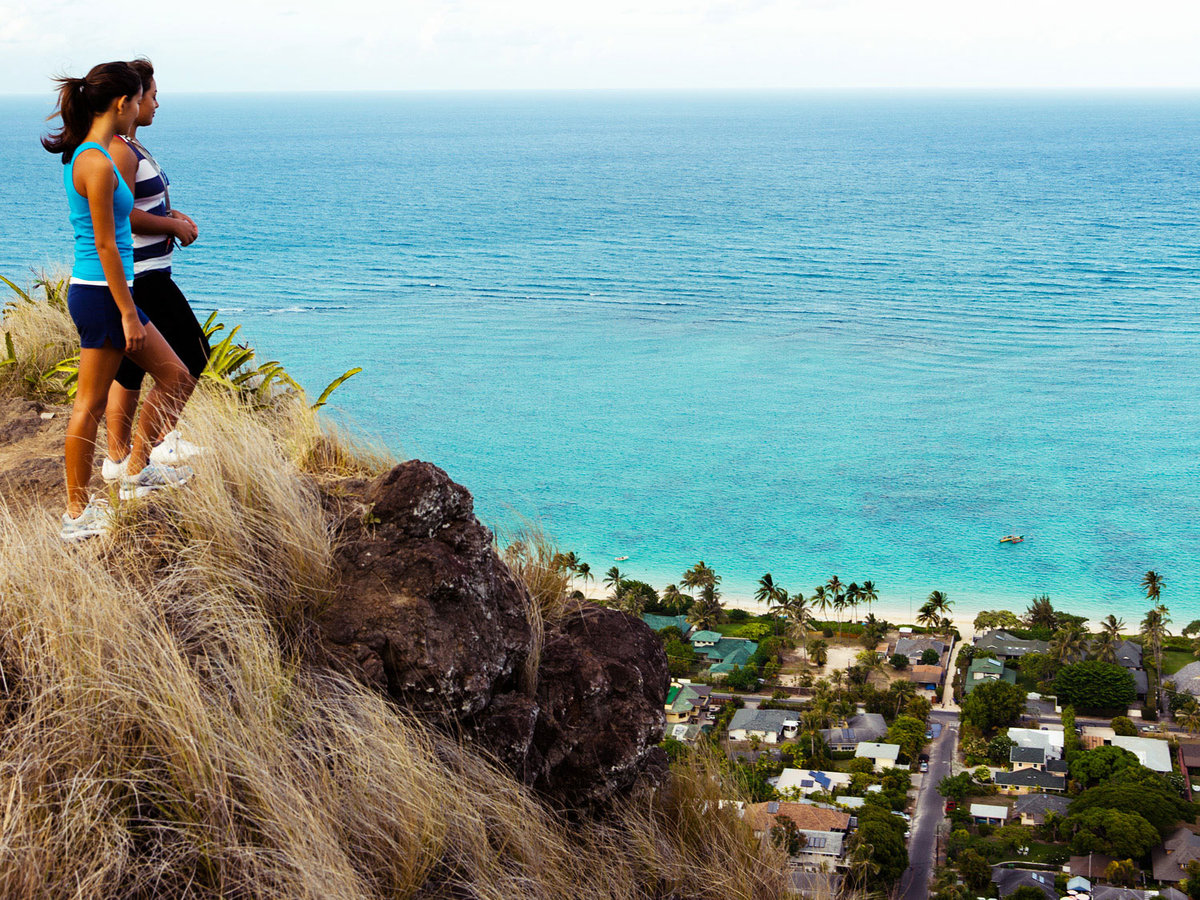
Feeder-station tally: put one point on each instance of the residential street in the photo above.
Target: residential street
(914, 884)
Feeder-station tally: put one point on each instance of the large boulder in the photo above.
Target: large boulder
(426, 611)
(596, 720)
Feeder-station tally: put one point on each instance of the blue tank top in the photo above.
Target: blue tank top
(87, 268)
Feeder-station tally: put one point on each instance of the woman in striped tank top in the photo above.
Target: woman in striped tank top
(156, 229)
(93, 109)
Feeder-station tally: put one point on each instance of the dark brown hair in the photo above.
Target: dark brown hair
(82, 99)
(144, 69)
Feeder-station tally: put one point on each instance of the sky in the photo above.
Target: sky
(305, 45)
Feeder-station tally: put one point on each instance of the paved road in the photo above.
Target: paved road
(914, 884)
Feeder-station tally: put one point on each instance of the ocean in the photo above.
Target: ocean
(852, 334)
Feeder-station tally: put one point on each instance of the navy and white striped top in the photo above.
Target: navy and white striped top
(151, 252)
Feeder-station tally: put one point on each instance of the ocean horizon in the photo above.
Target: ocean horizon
(808, 334)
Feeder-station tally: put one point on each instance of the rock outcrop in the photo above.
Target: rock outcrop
(430, 614)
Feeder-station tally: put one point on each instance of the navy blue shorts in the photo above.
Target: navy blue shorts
(96, 316)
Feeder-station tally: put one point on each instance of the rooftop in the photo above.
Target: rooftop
(808, 781)
(1037, 805)
(872, 750)
(1047, 781)
(761, 816)
(915, 646)
(987, 811)
(764, 720)
(1152, 753)
(1028, 755)
(1007, 881)
(1008, 644)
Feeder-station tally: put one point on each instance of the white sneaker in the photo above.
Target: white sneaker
(95, 520)
(113, 471)
(174, 451)
(153, 478)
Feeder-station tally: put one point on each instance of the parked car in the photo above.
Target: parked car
(929, 734)
(924, 767)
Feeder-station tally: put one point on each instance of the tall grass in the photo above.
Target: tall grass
(164, 731)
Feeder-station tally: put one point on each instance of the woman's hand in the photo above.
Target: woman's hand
(185, 228)
(135, 332)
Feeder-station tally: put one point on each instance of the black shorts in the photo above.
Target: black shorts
(159, 298)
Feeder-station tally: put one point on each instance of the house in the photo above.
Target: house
(1007, 881)
(1023, 780)
(802, 782)
(1151, 752)
(1111, 892)
(769, 725)
(882, 756)
(1079, 883)
(926, 677)
(915, 647)
(1027, 758)
(986, 669)
(824, 829)
(859, 728)
(702, 640)
(1092, 866)
(1188, 679)
(1032, 808)
(1129, 655)
(686, 701)
(984, 814)
(1189, 760)
(686, 732)
(1050, 740)
(658, 623)
(1009, 646)
(1170, 860)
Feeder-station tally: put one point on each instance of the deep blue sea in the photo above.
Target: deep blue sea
(805, 334)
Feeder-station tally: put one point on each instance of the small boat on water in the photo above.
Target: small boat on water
(622, 558)
(1012, 539)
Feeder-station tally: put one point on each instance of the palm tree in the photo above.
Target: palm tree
(821, 599)
(853, 598)
(869, 662)
(837, 599)
(1153, 583)
(767, 589)
(927, 615)
(634, 603)
(1191, 721)
(699, 576)
(1154, 629)
(941, 605)
(818, 652)
(903, 691)
(705, 612)
(868, 595)
(672, 598)
(585, 572)
(1069, 645)
(1109, 639)
(613, 579)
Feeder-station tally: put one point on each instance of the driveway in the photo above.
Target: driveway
(914, 883)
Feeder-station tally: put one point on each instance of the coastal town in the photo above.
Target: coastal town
(1016, 756)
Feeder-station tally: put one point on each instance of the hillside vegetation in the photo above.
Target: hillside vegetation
(167, 727)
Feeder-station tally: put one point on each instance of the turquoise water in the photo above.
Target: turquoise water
(863, 335)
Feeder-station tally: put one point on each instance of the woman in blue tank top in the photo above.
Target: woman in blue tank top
(93, 109)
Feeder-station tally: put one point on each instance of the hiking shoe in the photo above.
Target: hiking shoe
(95, 520)
(174, 451)
(153, 478)
(114, 471)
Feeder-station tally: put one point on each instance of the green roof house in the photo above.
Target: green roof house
(987, 669)
(658, 623)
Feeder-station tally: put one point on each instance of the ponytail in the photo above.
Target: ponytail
(80, 100)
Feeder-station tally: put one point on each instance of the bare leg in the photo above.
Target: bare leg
(172, 386)
(118, 420)
(97, 367)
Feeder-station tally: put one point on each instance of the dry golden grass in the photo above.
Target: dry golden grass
(164, 734)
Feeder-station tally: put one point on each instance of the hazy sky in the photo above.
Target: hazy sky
(220, 45)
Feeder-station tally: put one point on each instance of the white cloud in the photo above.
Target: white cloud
(424, 44)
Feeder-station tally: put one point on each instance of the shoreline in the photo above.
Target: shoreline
(888, 610)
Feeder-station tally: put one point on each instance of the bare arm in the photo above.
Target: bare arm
(98, 185)
(173, 225)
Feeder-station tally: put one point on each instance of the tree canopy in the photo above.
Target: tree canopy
(1142, 790)
(879, 838)
(1095, 685)
(993, 704)
(1112, 832)
(909, 733)
(1103, 764)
